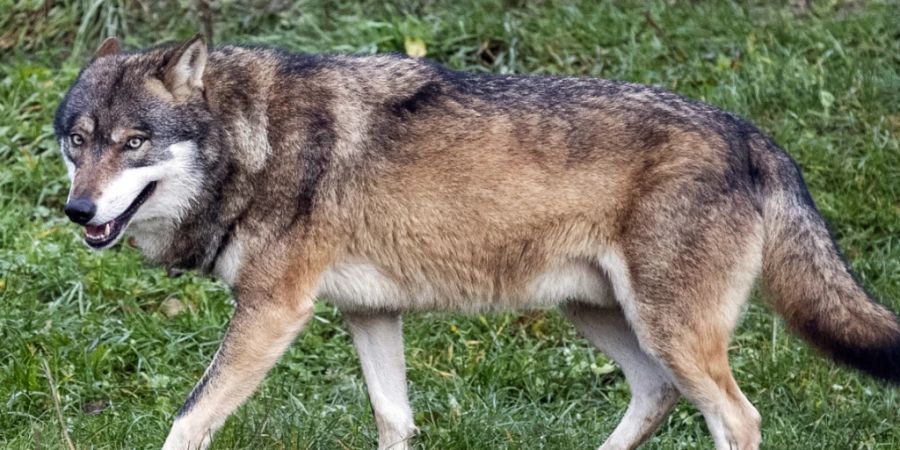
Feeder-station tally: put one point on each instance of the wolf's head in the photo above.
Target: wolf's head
(130, 130)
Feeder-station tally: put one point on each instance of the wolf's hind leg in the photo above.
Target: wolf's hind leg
(682, 275)
(652, 392)
(378, 338)
(259, 332)
(698, 361)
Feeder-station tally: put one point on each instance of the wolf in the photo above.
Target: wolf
(391, 185)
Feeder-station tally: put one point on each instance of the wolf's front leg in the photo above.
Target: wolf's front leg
(260, 330)
(378, 338)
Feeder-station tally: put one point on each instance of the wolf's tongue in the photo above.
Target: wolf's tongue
(94, 229)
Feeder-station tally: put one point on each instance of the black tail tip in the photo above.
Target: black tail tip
(879, 361)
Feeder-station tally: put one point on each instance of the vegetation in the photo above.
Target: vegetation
(106, 349)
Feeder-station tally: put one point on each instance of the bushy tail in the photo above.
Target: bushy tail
(808, 282)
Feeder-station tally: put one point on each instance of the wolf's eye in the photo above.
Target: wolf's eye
(76, 139)
(134, 143)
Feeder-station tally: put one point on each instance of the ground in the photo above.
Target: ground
(107, 348)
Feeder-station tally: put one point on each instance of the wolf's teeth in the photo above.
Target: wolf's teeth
(99, 232)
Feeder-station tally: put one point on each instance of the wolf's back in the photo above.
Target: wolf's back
(808, 282)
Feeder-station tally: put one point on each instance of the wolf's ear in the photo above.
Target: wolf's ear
(110, 46)
(184, 70)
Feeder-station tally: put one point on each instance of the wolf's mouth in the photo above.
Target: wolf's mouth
(99, 236)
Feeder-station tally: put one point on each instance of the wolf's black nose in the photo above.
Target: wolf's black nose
(80, 210)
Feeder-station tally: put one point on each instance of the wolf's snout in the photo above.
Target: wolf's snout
(80, 210)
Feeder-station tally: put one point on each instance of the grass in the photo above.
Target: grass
(825, 82)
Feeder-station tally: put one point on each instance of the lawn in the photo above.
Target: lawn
(107, 348)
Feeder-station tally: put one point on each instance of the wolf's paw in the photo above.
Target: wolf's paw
(182, 439)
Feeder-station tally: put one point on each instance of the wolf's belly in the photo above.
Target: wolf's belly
(364, 286)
